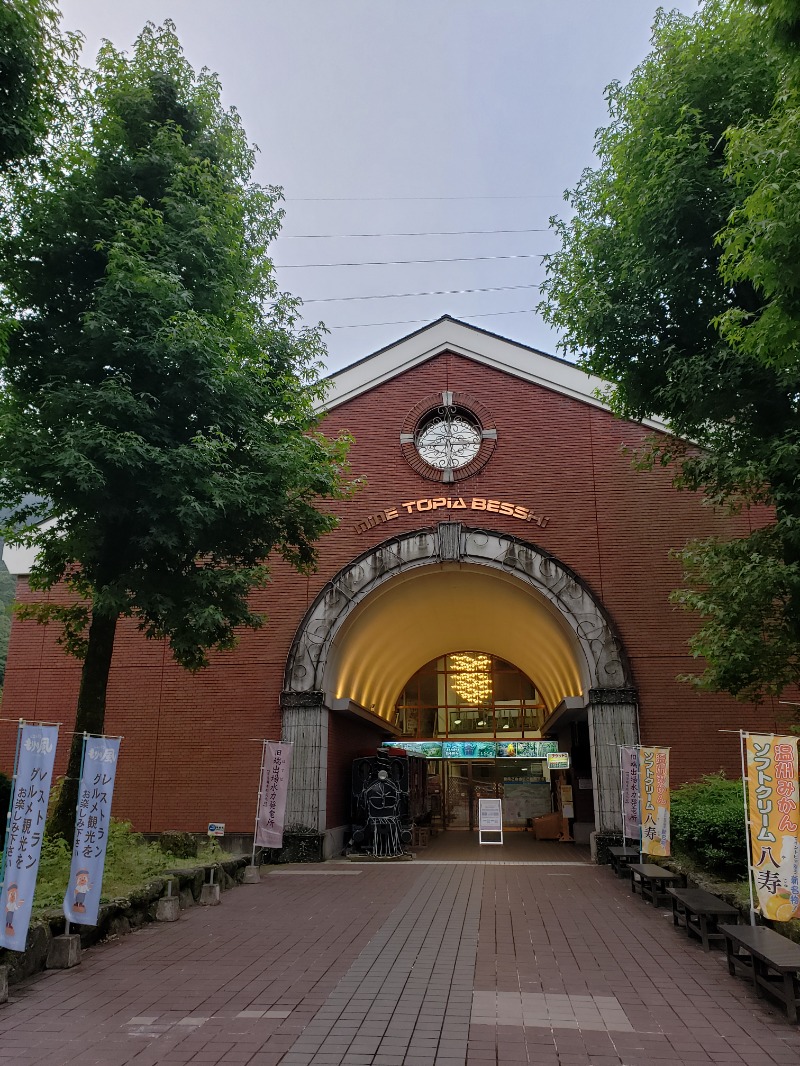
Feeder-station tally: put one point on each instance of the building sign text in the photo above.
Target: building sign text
(452, 503)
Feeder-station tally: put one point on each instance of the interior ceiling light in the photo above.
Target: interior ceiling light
(471, 677)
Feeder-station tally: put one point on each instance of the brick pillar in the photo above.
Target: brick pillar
(613, 721)
(305, 724)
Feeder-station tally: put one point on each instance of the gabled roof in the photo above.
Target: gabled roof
(450, 334)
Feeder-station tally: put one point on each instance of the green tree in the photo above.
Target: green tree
(645, 289)
(8, 586)
(36, 60)
(156, 389)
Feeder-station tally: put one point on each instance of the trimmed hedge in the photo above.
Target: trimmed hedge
(708, 823)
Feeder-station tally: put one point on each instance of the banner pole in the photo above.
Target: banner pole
(20, 724)
(620, 750)
(258, 801)
(742, 736)
(75, 829)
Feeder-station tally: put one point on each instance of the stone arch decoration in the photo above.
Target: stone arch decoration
(605, 660)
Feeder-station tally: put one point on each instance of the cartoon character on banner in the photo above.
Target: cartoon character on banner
(13, 904)
(82, 887)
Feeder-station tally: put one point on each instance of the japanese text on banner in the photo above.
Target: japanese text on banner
(773, 796)
(630, 791)
(274, 787)
(92, 818)
(37, 752)
(654, 800)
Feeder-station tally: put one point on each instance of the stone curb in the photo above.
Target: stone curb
(120, 916)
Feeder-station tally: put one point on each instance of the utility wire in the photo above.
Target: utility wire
(400, 262)
(321, 199)
(411, 321)
(415, 233)
(402, 295)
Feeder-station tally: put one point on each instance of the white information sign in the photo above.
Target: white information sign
(490, 820)
(216, 829)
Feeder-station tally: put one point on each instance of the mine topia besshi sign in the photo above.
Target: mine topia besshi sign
(452, 503)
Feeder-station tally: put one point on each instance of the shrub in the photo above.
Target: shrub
(5, 799)
(708, 824)
(176, 842)
(130, 863)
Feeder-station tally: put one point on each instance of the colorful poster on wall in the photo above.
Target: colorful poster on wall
(773, 797)
(36, 752)
(526, 749)
(431, 749)
(92, 819)
(654, 800)
(274, 789)
(630, 792)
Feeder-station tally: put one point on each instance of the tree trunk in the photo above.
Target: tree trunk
(89, 718)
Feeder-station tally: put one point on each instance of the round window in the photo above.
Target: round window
(448, 438)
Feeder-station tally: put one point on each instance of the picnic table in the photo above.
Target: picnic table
(622, 857)
(699, 911)
(769, 959)
(651, 880)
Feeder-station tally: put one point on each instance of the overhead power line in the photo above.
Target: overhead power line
(428, 292)
(401, 262)
(321, 199)
(412, 233)
(411, 321)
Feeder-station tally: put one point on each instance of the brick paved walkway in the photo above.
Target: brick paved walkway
(439, 964)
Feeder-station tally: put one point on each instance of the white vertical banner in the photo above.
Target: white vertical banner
(92, 818)
(36, 752)
(274, 789)
(630, 792)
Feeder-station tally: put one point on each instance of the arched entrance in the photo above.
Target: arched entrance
(434, 591)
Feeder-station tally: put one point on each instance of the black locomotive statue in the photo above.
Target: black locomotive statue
(380, 808)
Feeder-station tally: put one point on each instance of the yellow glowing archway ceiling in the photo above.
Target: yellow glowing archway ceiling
(435, 610)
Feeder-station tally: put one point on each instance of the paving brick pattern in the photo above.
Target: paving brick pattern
(407, 999)
(460, 964)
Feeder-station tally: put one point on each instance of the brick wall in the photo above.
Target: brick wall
(189, 757)
(348, 738)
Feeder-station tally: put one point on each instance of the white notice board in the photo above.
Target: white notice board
(490, 820)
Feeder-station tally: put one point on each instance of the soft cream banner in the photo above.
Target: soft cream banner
(773, 799)
(654, 800)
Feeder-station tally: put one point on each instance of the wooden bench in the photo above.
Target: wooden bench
(698, 911)
(621, 858)
(651, 881)
(770, 960)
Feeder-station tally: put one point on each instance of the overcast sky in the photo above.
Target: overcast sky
(408, 117)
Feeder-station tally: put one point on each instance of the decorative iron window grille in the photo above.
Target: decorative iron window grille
(448, 438)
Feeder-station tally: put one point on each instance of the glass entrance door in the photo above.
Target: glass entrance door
(459, 795)
(468, 782)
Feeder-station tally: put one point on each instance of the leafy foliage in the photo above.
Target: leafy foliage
(5, 799)
(130, 863)
(148, 394)
(8, 587)
(36, 60)
(156, 388)
(655, 286)
(707, 819)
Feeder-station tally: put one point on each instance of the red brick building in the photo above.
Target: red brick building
(502, 577)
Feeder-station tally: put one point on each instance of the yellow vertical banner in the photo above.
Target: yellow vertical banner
(654, 800)
(773, 797)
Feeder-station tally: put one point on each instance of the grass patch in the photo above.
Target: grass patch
(130, 863)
